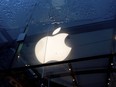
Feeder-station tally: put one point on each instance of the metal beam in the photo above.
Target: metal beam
(73, 75)
(58, 63)
(109, 70)
(79, 72)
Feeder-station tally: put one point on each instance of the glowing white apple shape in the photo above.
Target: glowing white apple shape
(52, 48)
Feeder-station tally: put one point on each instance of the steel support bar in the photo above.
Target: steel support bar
(58, 63)
(73, 75)
(109, 70)
(79, 72)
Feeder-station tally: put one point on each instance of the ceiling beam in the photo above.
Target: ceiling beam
(58, 63)
(81, 72)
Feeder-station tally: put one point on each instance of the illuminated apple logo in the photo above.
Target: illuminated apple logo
(52, 48)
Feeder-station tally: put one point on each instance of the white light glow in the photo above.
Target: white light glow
(56, 31)
(112, 64)
(18, 56)
(26, 65)
(73, 80)
(52, 48)
(115, 37)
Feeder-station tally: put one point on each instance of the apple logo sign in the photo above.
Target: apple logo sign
(52, 48)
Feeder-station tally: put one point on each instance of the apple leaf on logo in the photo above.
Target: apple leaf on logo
(56, 31)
